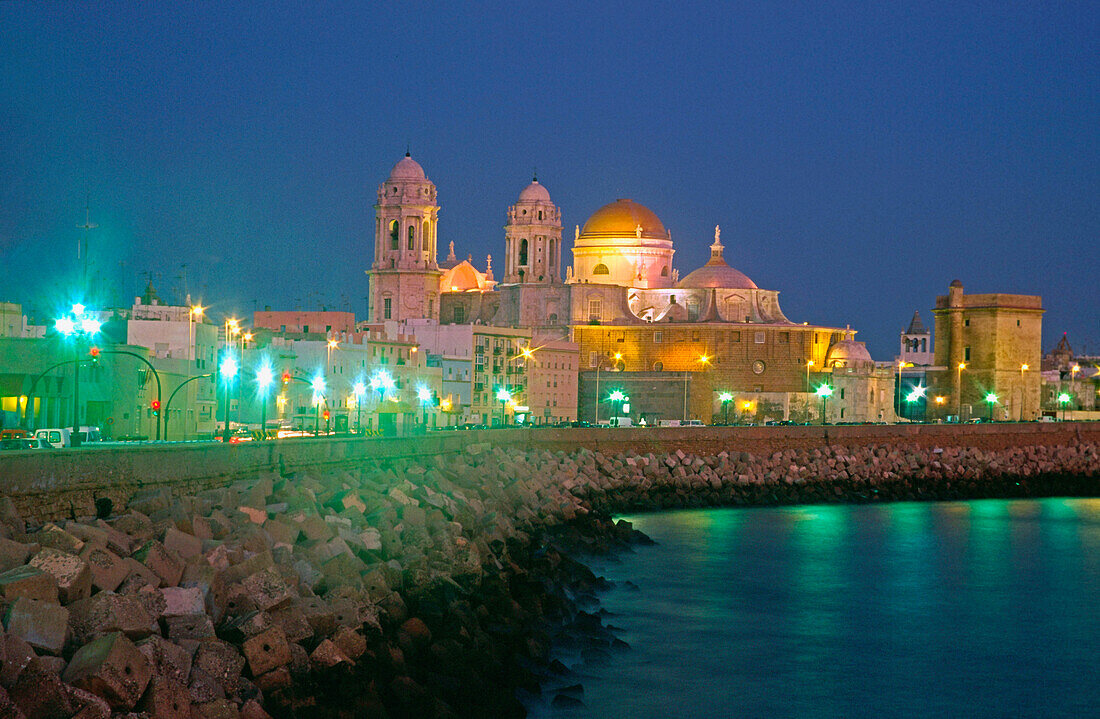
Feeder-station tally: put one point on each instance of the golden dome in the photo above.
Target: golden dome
(622, 218)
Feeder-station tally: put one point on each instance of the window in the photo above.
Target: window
(540, 214)
(387, 308)
(595, 308)
(966, 354)
(1017, 323)
(758, 338)
(658, 366)
(305, 328)
(431, 307)
(600, 269)
(553, 318)
(735, 336)
(592, 359)
(784, 338)
(664, 271)
(966, 322)
(412, 235)
(460, 314)
(693, 312)
(523, 252)
(393, 233)
(657, 337)
(842, 393)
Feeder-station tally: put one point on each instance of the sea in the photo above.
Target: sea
(985, 608)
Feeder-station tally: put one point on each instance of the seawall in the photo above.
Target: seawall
(54, 484)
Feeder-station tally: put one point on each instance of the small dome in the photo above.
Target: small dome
(845, 352)
(956, 283)
(622, 218)
(407, 169)
(534, 193)
(721, 276)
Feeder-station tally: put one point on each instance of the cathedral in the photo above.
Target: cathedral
(678, 343)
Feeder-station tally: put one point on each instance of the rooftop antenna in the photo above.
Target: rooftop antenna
(408, 149)
(534, 174)
(86, 226)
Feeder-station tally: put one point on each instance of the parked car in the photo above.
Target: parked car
(57, 437)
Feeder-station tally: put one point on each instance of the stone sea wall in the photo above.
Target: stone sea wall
(422, 586)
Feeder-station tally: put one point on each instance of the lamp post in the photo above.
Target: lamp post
(228, 372)
(1023, 391)
(192, 313)
(992, 400)
(425, 396)
(809, 364)
(726, 397)
(79, 326)
(359, 390)
(940, 400)
(1064, 399)
(504, 396)
(914, 396)
(959, 384)
(824, 391)
(318, 385)
(599, 365)
(265, 376)
(615, 397)
(382, 382)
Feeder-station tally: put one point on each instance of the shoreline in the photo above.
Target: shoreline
(429, 588)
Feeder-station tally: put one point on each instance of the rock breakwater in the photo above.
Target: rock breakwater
(427, 589)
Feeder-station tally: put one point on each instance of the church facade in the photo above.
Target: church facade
(621, 303)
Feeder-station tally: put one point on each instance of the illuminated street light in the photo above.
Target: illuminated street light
(318, 385)
(504, 397)
(265, 377)
(227, 370)
(809, 364)
(824, 391)
(359, 390)
(726, 398)
(84, 327)
(381, 382)
(992, 400)
(1064, 399)
(425, 396)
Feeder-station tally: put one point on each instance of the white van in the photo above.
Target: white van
(57, 438)
(622, 422)
(692, 423)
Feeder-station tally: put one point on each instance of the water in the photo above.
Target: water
(986, 608)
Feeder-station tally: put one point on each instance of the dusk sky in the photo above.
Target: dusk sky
(858, 156)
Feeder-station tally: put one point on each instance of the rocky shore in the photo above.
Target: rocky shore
(433, 589)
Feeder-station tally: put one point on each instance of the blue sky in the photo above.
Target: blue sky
(858, 156)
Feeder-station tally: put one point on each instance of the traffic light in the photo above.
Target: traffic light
(325, 415)
(286, 379)
(94, 354)
(155, 406)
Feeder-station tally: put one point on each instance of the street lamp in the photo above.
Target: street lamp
(228, 372)
(959, 384)
(192, 313)
(504, 396)
(726, 397)
(1064, 399)
(616, 396)
(318, 385)
(992, 400)
(599, 366)
(824, 391)
(82, 327)
(265, 377)
(382, 382)
(359, 389)
(425, 396)
(809, 364)
(915, 396)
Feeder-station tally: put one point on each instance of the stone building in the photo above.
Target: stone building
(989, 348)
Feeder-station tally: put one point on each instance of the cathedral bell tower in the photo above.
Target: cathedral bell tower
(404, 278)
(532, 239)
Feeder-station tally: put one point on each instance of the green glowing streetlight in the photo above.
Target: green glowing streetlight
(505, 397)
(318, 385)
(360, 390)
(83, 327)
(265, 377)
(726, 398)
(227, 370)
(1064, 399)
(824, 391)
(991, 398)
(915, 396)
(425, 396)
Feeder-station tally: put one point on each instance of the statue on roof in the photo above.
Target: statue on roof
(638, 232)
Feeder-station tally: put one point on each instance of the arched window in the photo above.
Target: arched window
(553, 318)
(412, 235)
(523, 252)
(664, 271)
(540, 214)
(393, 236)
(600, 269)
(658, 366)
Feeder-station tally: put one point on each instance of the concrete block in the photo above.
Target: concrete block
(183, 544)
(107, 568)
(55, 537)
(321, 618)
(313, 527)
(201, 528)
(135, 524)
(166, 698)
(282, 532)
(351, 643)
(293, 623)
(166, 565)
(190, 626)
(255, 515)
(182, 601)
(246, 626)
(74, 579)
(217, 709)
(43, 625)
(137, 576)
(15, 655)
(276, 679)
(30, 582)
(8, 708)
(240, 570)
(327, 655)
(9, 515)
(106, 613)
(38, 692)
(267, 589)
(110, 667)
(117, 541)
(251, 709)
(87, 705)
(221, 662)
(266, 651)
(166, 658)
(232, 601)
(15, 554)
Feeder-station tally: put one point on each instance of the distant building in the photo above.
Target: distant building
(319, 324)
(988, 346)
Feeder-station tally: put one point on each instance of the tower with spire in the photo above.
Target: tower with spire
(532, 239)
(916, 343)
(404, 277)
